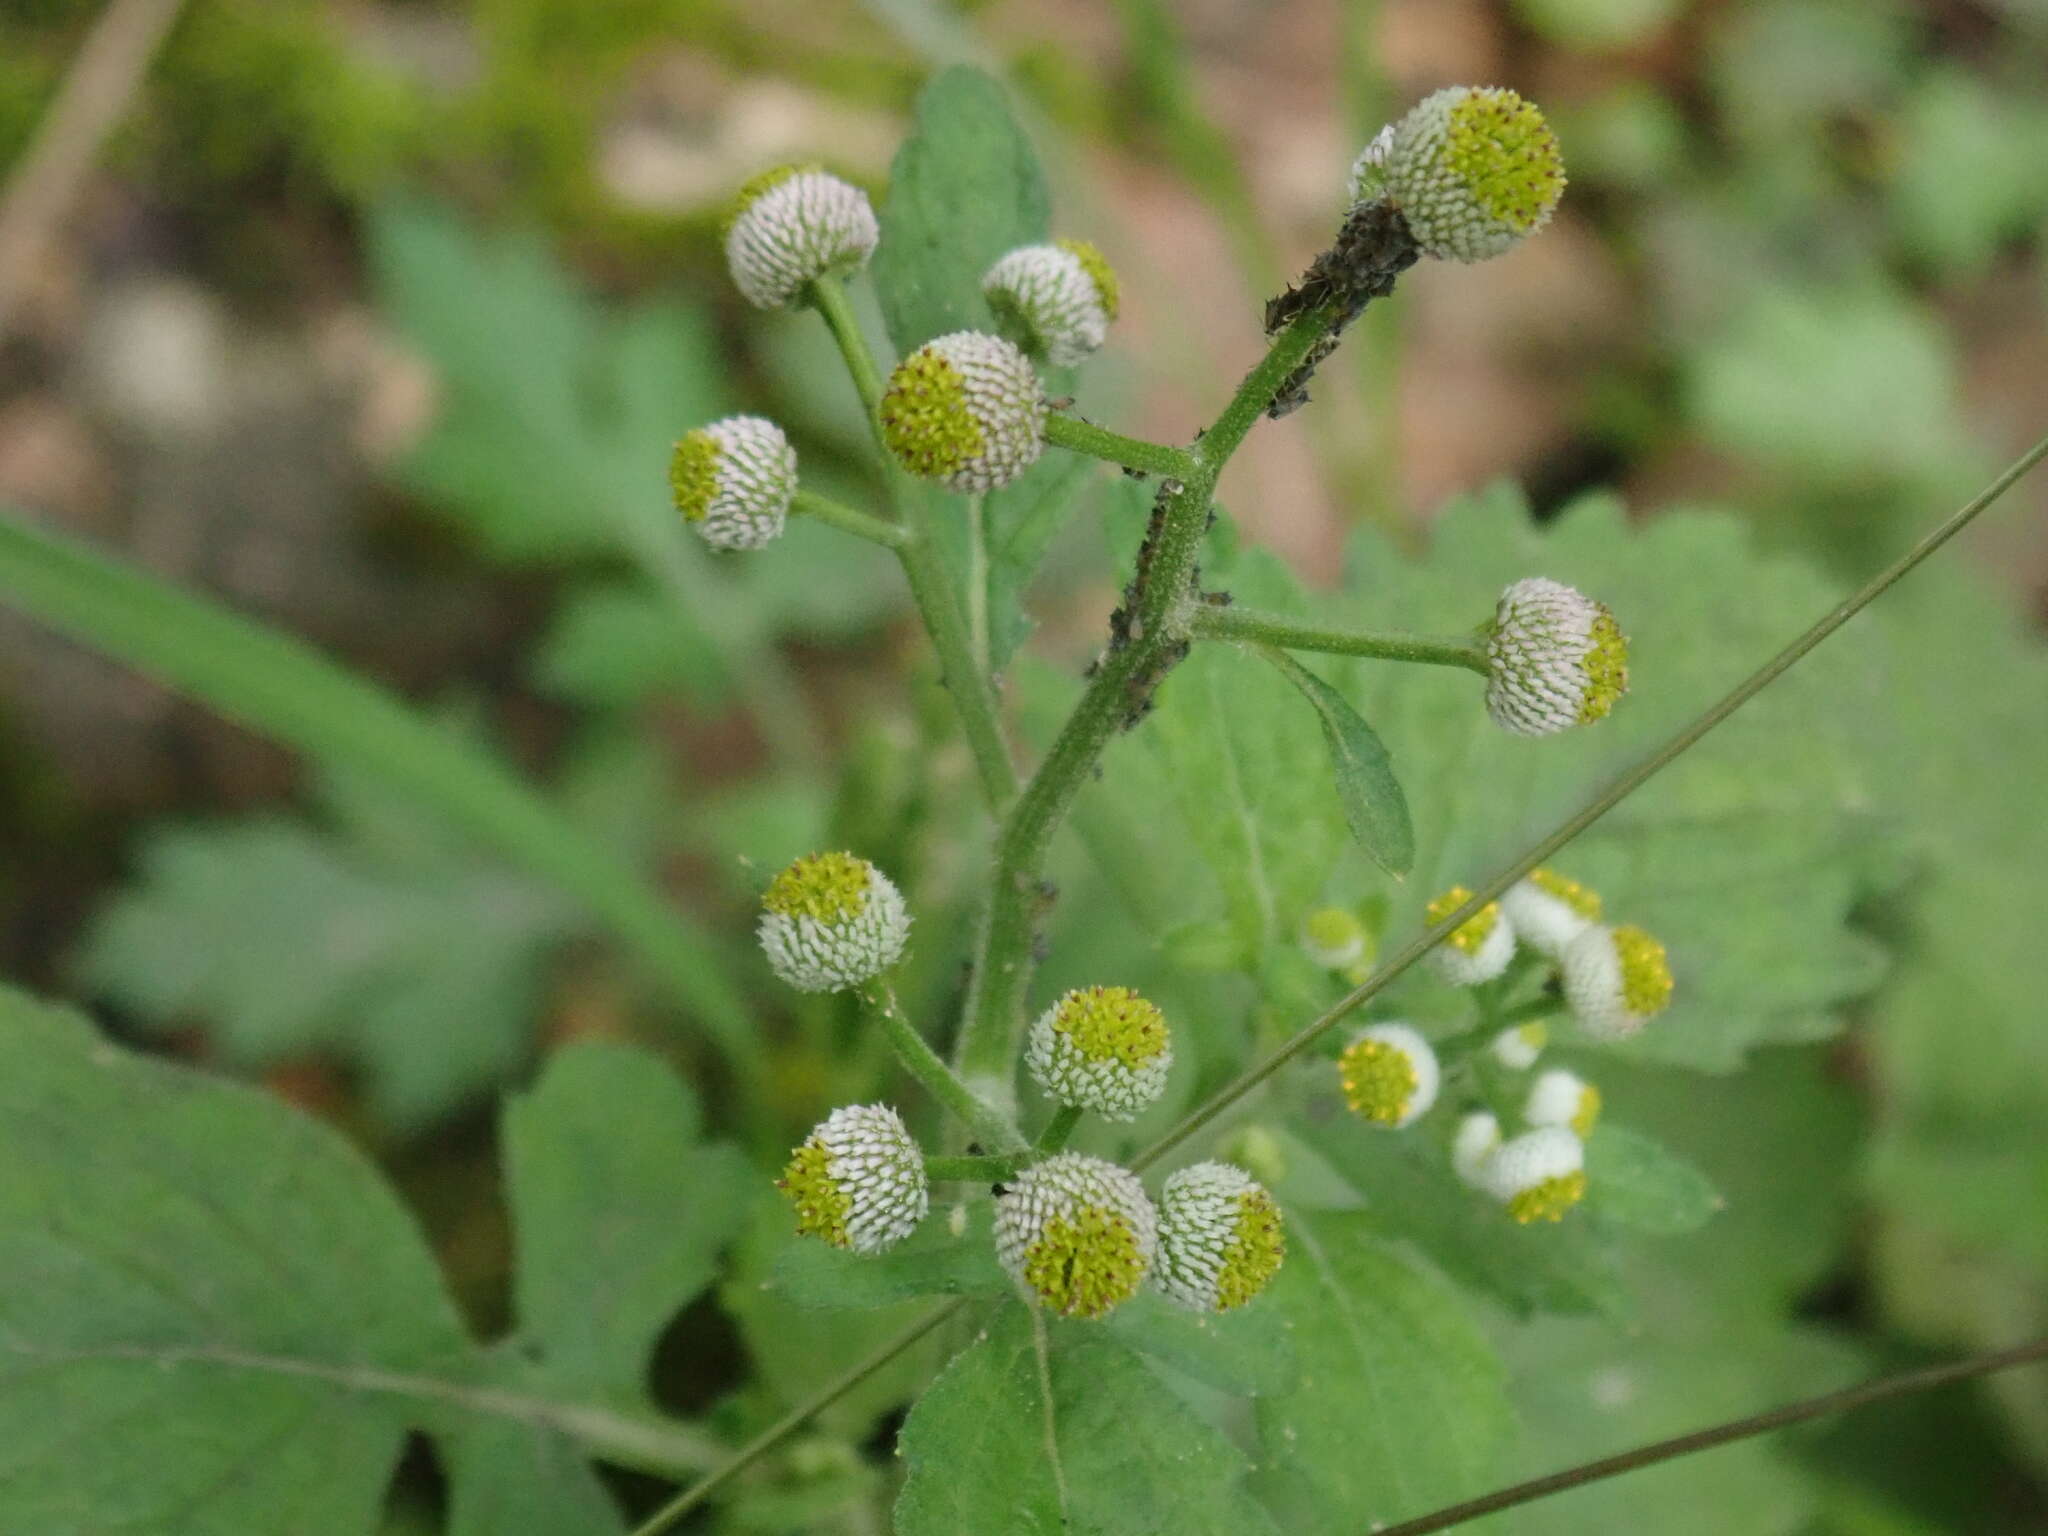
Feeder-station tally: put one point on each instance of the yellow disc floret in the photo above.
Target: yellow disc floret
(821, 1205)
(1099, 271)
(1086, 1263)
(1112, 1022)
(1379, 1080)
(693, 474)
(1645, 972)
(1505, 156)
(1472, 934)
(1606, 664)
(1255, 1254)
(1588, 1113)
(755, 185)
(925, 417)
(1581, 898)
(830, 887)
(1548, 1200)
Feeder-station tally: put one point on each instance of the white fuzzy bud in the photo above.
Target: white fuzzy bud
(1101, 1048)
(733, 481)
(858, 1181)
(1548, 910)
(1518, 1046)
(1390, 1075)
(792, 225)
(1334, 939)
(1554, 658)
(1220, 1237)
(1538, 1176)
(1478, 949)
(1615, 979)
(1558, 1097)
(1474, 171)
(832, 921)
(1079, 1232)
(966, 410)
(1055, 299)
(1477, 1136)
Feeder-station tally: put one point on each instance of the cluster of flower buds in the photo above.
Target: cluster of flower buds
(1536, 1176)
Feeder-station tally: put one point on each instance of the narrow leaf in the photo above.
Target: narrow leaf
(1632, 1180)
(1373, 803)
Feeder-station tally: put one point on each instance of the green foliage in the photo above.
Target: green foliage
(1634, 1182)
(1374, 806)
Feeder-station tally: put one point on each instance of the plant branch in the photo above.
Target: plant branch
(1071, 432)
(1624, 786)
(1059, 1130)
(970, 1170)
(1258, 627)
(923, 1063)
(1905, 1384)
(931, 586)
(862, 525)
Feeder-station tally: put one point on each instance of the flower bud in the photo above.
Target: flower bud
(1369, 170)
(1554, 657)
(1477, 1136)
(1078, 1231)
(1055, 300)
(1220, 1237)
(1538, 1176)
(1474, 171)
(966, 410)
(1390, 1075)
(1518, 1046)
(1558, 1097)
(733, 481)
(831, 921)
(1333, 938)
(1101, 1048)
(858, 1180)
(1616, 980)
(1479, 949)
(794, 224)
(1548, 910)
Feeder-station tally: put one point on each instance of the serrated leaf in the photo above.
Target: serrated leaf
(1634, 1182)
(931, 1262)
(964, 188)
(1400, 1405)
(1374, 806)
(1248, 1351)
(515, 1480)
(618, 1214)
(1132, 1457)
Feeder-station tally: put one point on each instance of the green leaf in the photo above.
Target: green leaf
(1248, 1351)
(273, 684)
(512, 1480)
(1400, 1406)
(618, 1214)
(930, 1262)
(1634, 1182)
(613, 643)
(1373, 804)
(964, 188)
(1020, 522)
(1132, 1457)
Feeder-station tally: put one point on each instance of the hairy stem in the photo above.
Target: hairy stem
(923, 1063)
(1133, 453)
(970, 1170)
(862, 525)
(1059, 1130)
(931, 588)
(1256, 627)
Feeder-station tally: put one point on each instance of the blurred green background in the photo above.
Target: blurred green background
(375, 311)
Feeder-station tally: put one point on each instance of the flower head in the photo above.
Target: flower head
(1554, 657)
(1101, 1048)
(1479, 948)
(1538, 1176)
(1474, 171)
(1369, 170)
(966, 410)
(1549, 910)
(1077, 1230)
(1558, 1097)
(1518, 1046)
(1055, 299)
(791, 225)
(832, 921)
(1334, 938)
(1477, 1136)
(1390, 1075)
(1220, 1237)
(1615, 979)
(733, 481)
(858, 1180)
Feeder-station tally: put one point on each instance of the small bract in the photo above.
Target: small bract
(1616, 980)
(831, 921)
(1220, 1237)
(1538, 1176)
(1478, 949)
(733, 481)
(1554, 657)
(1055, 300)
(793, 225)
(1558, 1097)
(1549, 910)
(1101, 1048)
(966, 410)
(1390, 1075)
(1080, 1232)
(858, 1181)
(1473, 170)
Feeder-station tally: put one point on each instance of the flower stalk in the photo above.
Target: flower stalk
(1254, 626)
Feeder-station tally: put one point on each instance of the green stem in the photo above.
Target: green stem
(1159, 611)
(923, 1063)
(862, 525)
(1080, 436)
(931, 585)
(1545, 1007)
(970, 1170)
(1257, 627)
(1059, 1130)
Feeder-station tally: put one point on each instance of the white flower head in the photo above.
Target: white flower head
(794, 224)
(1477, 1136)
(733, 481)
(966, 410)
(831, 921)
(1369, 171)
(1220, 1237)
(1474, 171)
(1538, 1176)
(1518, 1046)
(1080, 1232)
(1101, 1048)
(1390, 1075)
(1558, 1097)
(1333, 938)
(858, 1180)
(1549, 910)
(1479, 948)
(1056, 299)
(1615, 979)
(1554, 659)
